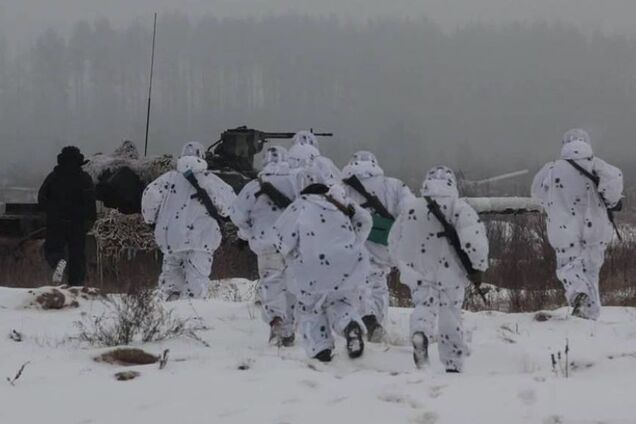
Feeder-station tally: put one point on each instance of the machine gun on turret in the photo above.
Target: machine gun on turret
(236, 148)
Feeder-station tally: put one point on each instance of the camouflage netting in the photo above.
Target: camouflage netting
(123, 237)
(148, 169)
(120, 236)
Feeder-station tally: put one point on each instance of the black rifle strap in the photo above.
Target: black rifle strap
(203, 196)
(453, 239)
(372, 201)
(596, 180)
(450, 233)
(593, 177)
(275, 195)
(348, 210)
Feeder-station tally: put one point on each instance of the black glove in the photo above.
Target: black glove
(618, 207)
(241, 244)
(476, 277)
(88, 226)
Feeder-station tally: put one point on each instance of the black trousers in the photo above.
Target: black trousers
(68, 242)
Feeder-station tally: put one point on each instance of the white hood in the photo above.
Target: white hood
(363, 165)
(192, 158)
(576, 145)
(302, 155)
(440, 182)
(275, 162)
(305, 137)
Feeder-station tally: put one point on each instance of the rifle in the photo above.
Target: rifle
(453, 238)
(275, 195)
(597, 180)
(382, 218)
(348, 210)
(372, 200)
(202, 196)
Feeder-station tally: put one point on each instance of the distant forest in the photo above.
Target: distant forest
(482, 99)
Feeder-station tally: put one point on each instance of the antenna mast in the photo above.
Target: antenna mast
(152, 66)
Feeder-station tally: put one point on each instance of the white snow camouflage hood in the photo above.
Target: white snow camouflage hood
(576, 144)
(440, 182)
(302, 156)
(192, 158)
(305, 137)
(363, 164)
(275, 162)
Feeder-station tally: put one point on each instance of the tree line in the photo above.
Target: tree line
(484, 99)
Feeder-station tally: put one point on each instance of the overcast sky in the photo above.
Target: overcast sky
(20, 19)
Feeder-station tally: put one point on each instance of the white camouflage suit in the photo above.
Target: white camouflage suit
(306, 151)
(431, 268)
(392, 193)
(325, 252)
(578, 226)
(255, 214)
(184, 230)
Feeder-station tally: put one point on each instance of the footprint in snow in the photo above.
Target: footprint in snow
(399, 398)
(425, 418)
(309, 383)
(436, 391)
(528, 396)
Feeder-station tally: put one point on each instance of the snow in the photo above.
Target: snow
(509, 376)
(503, 205)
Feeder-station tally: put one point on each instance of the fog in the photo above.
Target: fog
(485, 87)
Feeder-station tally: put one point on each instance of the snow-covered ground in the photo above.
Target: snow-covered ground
(509, 376)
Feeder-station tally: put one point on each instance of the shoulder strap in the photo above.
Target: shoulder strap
(593, 177)
(372, 201)
(202, 195)
(348, 210)
(274, 194)
(450, 233)
(596, 180)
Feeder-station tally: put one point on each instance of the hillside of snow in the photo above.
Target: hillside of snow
(238, 378)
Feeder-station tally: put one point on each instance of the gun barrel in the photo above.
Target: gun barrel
(281, 135)
(278, 135)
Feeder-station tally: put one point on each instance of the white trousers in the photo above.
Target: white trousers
(438, 314)
(578, 269)
(274, 296)
(186, 274)
(321, 314)
(375, 291)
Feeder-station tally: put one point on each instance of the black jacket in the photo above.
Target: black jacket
(68, 197)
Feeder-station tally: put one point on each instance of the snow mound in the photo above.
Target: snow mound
(236, 377)
(48, 297)
(233, 290)
(147, 168)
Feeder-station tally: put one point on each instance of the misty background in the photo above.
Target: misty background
(485, 88)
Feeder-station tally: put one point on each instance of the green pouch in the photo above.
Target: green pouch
(380, 230)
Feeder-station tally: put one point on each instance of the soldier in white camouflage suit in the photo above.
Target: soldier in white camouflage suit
(391, 193)
(576, 192)
(322, 235)
(431, 267)
(185, 231)
(255, 212)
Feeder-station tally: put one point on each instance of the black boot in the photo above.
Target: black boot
(288, 341)
(324, 355)
(580, 299)
(355, 344)
(276, 332)
(452, 371)
(375, 332)
(420, 349)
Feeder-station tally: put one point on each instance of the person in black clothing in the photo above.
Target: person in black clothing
(68, 198)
